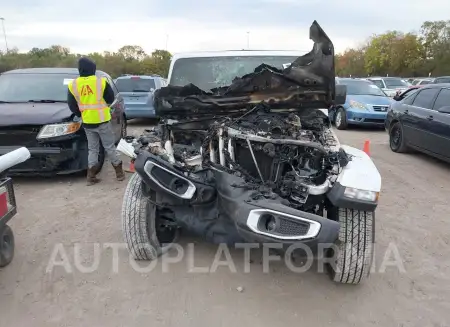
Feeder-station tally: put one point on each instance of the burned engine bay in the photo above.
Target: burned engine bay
(294, 156)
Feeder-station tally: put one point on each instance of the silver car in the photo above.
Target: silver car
(390, 85)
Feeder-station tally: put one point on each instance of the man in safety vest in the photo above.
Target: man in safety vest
(89, 97)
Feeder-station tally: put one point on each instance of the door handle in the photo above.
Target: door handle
(430, 117)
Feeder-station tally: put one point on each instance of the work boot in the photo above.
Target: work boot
(91, 179)
(120, 175)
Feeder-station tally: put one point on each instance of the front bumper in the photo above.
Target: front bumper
(361, 117)
(63, 157)
(222, 208)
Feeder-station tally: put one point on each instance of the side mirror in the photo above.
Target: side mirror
(397, 97)
(152, 90)
(444, 110)
(340, 94)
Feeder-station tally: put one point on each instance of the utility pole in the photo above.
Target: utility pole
(248, 40)
(4, 33)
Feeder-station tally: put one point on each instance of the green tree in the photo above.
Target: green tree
(129, 59)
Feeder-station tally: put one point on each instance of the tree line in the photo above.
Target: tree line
(129, 59)
(395, 53)
(392, 53)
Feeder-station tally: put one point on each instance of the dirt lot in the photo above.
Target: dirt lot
(412, 215)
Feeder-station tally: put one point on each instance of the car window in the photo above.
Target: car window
(358, 87)
(393, 83)
(442, 100)
(378, 83)
(415, 82)
(210, 72)
(442, 80)
(424, 98)
(135, 84)
(26, 87)
(425, 82)
(409, 96)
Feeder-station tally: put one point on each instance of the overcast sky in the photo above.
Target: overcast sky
(97, 25)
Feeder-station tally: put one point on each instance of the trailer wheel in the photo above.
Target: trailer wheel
(355, 246)
(145, 228)
(6, 246)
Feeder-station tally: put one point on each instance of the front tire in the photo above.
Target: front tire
(7, 246)
(340, 120)
(355, 246)
(142, 228)
(397, 141)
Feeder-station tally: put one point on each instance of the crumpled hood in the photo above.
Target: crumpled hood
(308, 82)
(33, 113)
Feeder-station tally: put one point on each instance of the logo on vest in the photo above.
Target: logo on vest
(86, 90)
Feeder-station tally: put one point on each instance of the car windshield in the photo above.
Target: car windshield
(135, 84)
(34, 87)
(211, 72)
(425, 82)
(362, 88)
(395, 82)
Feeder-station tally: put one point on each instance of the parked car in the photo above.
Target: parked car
(420, 120)
(34, 114)
(365, 104)
(441, 80)
(267, 130)
(137, 92)
(422, 81)
(390, 85)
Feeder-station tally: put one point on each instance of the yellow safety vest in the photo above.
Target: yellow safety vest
(88, 91)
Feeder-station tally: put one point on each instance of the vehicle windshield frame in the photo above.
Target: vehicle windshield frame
(228, 67)
(370, 87)
(26, 87)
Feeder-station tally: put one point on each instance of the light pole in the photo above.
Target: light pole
(248, 40)
(4, 33)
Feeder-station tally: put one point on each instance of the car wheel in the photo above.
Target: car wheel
(354, 253)
(340, 120)
(146, 228)
(6, 246)
(397, 141)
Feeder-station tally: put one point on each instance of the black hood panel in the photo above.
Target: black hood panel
(13, 114)
(309, 82)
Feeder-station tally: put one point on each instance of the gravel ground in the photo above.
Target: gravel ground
(412, 217)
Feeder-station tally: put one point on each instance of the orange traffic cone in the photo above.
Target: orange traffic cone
(131, 167)
(366, 148)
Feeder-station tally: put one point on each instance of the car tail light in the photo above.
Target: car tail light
(135, 77)
(5, 205)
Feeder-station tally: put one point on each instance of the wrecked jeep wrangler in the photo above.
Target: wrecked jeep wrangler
(244, 152)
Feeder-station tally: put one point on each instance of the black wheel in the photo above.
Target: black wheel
(396, 138)
(340, 120)
(6, 246)
(123, 128)
(354, 256)
(148, 230)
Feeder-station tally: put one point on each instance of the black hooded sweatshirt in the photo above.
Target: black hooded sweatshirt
(87, 67)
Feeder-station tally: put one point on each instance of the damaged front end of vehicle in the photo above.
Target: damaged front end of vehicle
(253, 161)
